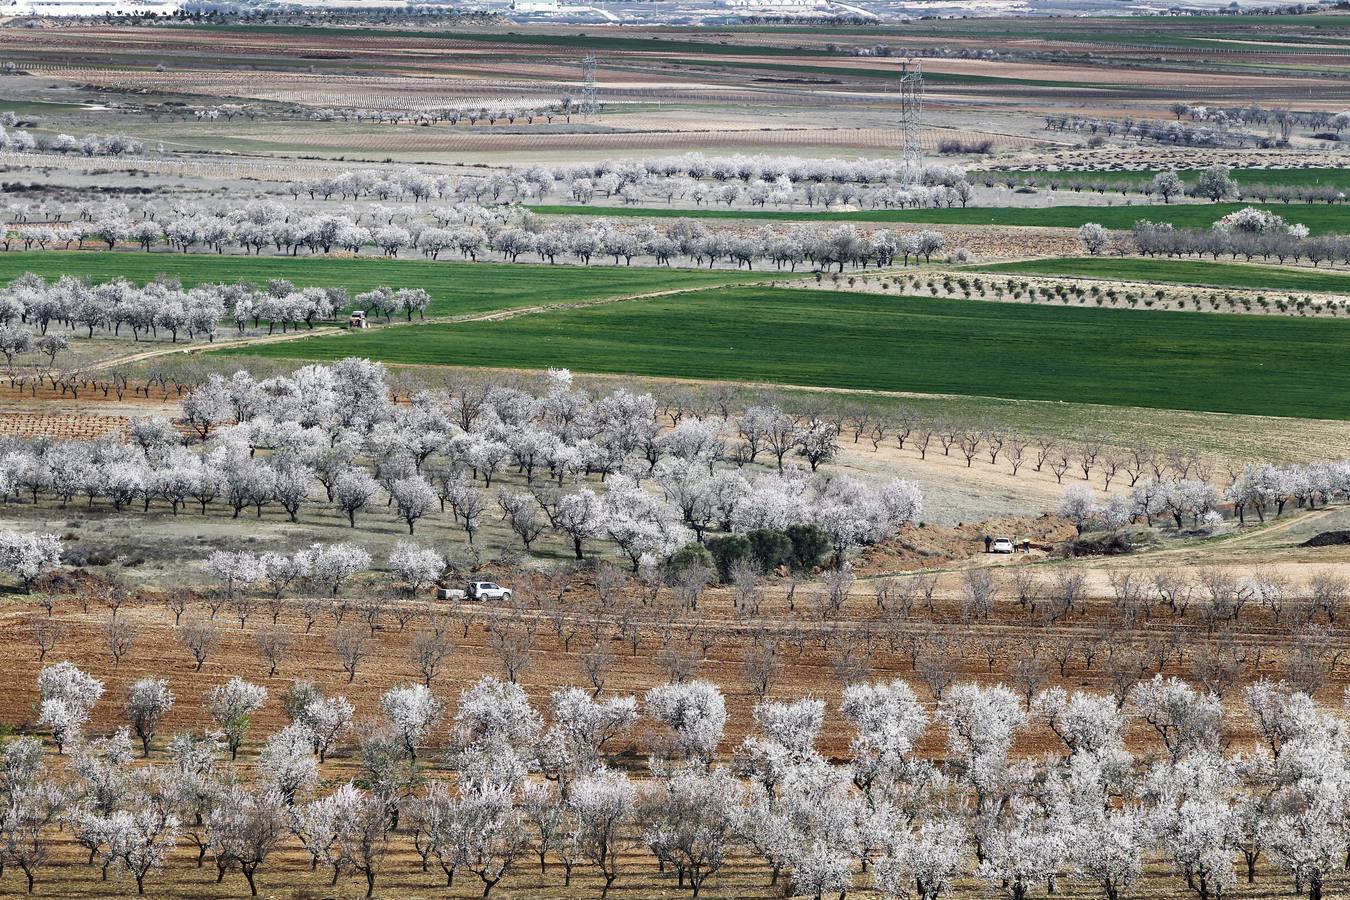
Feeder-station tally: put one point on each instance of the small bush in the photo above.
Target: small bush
(1112, 544)
(953, 145)
(726, 551)
(809, 546)
(88, 556)
(691, 554)
(771, 548)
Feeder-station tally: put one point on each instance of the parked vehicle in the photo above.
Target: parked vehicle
(475, 590)
(1003, 545)
(487, 590)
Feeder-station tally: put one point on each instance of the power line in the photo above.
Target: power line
(590, 103)
(911, 109)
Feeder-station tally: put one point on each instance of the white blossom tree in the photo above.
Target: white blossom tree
(232, 706)
(245, 828)
(605, 804)
(413, 711)
(696, 714)
(27, 557)
(67, 696)
(148, 702)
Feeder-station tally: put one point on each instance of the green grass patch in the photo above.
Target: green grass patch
(1240, 364)
(1180, 271)
(1319, 219)
(456, 288)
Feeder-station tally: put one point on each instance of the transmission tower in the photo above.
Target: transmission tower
(590, 104)
(911, 109)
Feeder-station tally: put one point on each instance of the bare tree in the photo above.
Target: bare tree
(1028, 588)
(200, 638)
(1272, 591)
(115, 596)
(1088, 452)
(935, 666)
(47, 633)
(690, 581)
(1016, 452)
(1063, 652)
(352, 644)
(992, 648)
(838, 588)
(760, 664)
(1131, 595)
(276, 605)
(309, 608)
(1028, 673)
(372, 611)
(849, 665)
(745, 587)
(1124, 669)
(611, 583)
(47, 601)
(404, 613)
(1059, 464)
(177, 602)
(676, 662)
(979, 592)
(1310, 663)
(927, 588)
(1174, 589)
(596, 662)
(243, 605)
(1101, 640)
(794, 582)
(513, 651)
(1219, 588)
(1217, 667)
(1328, 592)
(1164, 649)
(882, 589)
(428, 651)
(1070, 585)
(119, 637)
(215, 601)
(274, 643)
(1045, 448)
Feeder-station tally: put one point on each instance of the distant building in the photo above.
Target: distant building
(89, 7)
(775, 4)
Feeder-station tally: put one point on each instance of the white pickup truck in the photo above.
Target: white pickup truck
(475, 590)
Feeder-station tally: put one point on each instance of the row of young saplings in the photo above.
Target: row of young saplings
(1148, 625)
(1067, 291)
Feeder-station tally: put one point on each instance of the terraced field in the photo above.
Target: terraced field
(1218, 363)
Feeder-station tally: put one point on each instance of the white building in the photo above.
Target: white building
(776, 4)
(89, 7)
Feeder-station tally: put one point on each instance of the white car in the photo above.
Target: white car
(475, 590)
(1002, 545)
(487, 590)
